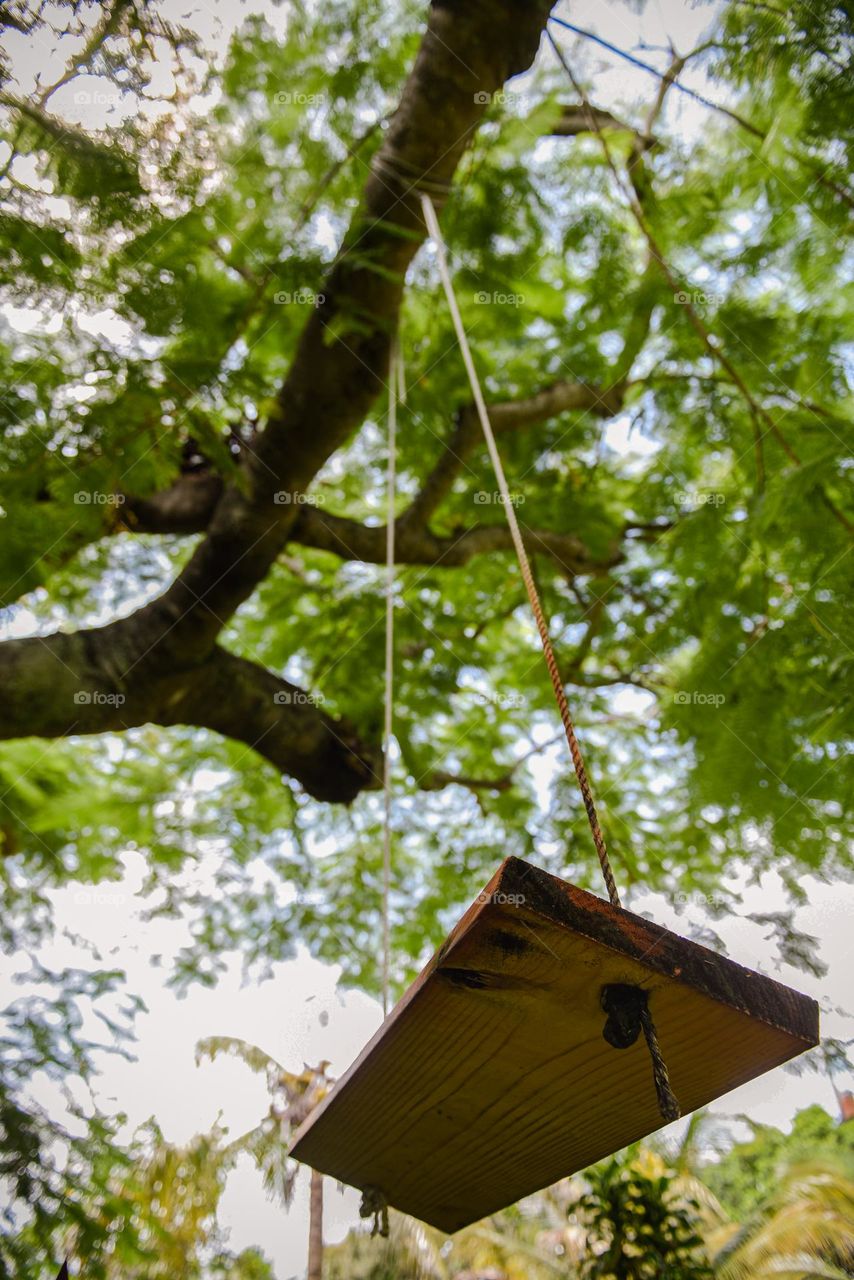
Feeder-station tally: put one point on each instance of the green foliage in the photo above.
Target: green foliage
(143, 1211)
(742, 597)
(247, 1265)
(292, 1098)
(638, 1228)
(60, 1178)
(748, 1175)
(173, 1196)
(803, 1230)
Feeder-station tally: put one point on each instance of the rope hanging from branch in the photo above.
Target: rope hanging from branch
(515, 533)
(668, 1105)
(374, 1204)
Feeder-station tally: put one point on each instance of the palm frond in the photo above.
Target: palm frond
(807, 1229)
(254, 1057)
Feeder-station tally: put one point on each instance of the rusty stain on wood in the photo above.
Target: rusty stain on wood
(492, 1078)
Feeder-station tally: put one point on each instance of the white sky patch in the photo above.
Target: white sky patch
(623, 438)
(93, 102)
(106, 324)
(29, 320)
(325, 233)
(80, 393)
(17, 622)
(25, 169)
(629, 701)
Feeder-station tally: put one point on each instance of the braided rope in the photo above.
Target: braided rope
(667, 1101)
(522, 555)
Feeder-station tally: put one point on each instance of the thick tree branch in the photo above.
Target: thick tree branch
(91, 682)
(187, 506)
(283, 723)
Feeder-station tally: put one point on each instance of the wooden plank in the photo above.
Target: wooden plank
(491, 1078)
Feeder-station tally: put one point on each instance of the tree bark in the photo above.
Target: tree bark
(315, 1228)
(90, 682)
(163, 664)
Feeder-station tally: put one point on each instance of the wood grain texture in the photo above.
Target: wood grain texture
(491, 1078)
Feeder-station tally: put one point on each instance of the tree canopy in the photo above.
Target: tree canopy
(206, 260)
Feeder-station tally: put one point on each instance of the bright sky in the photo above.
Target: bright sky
(283, 1015)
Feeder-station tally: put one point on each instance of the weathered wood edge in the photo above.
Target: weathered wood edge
(679, 959)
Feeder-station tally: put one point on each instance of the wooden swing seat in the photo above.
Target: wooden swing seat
(492, 1077)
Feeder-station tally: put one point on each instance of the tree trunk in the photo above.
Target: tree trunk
(315, 1228)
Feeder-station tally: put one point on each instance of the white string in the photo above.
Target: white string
(480, 404)
(401, 374)
(395, 388)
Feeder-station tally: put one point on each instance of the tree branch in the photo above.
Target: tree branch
(162, 664)
(419, 545)
(88, 682)
(285, 724)
(505, 416)
(575, 120)
(467, 52)
(187, 506)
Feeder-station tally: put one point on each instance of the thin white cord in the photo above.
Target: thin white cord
(401, 374)
(482, 413)
(395, 384)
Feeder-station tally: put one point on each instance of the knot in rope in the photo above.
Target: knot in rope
(374, 1205)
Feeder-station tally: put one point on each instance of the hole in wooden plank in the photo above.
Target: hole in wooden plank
(624, 1004)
